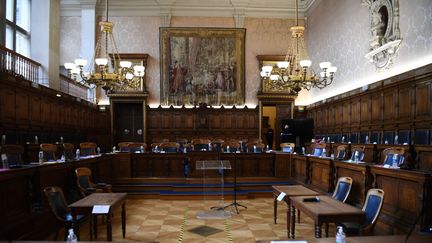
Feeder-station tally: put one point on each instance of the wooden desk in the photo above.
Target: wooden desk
(290, 191)
(366, 239)
(327, 210)
(86, 204)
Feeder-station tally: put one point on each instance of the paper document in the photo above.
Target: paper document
(101, 209)
(281, 196)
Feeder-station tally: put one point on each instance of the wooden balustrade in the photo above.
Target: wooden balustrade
(18, 65)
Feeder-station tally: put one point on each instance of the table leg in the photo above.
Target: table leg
(293, 222)
(274, 209)
(317, 230)
(109, 226)
(123, 220)
(95, 223)
(327, 229)
(288, 218)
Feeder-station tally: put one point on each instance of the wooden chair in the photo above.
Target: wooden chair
(393, 156)
(217, 144)
(201, 144)
(87, 148)
(372, 208)
(86, 185)
(287, 147)
(155, 147)
(63, 213)
(49, 151)
(231, 146)
(124, 146)
(68, 151)
(343, 188)
(169, 147)
(318, 149)
(255, 147)
(13, 155)
(136, 147)
(341, 152)
(360, 153)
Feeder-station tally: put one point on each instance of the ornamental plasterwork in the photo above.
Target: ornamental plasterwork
(384, 31)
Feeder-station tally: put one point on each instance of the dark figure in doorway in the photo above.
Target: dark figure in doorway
(269, 137)
(287, 135)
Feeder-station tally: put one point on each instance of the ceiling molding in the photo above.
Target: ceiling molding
(208, 8)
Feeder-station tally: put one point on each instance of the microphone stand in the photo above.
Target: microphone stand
(234, 203)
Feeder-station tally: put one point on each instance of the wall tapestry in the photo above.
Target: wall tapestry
(202, 66)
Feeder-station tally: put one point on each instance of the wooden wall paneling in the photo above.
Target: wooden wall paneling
(300, 169)
(405, 103)
(283, 165)
(322, 175)
(390, 106)
(121, 166)
(8, 105)
(331, 116)
(346, 113)
(424, 158)
(361, 180)
(355, 112)
(338, 115)
(376, 107)
(22, 108)
(252, 120)
(35, 110)
(365, 109)
(423, 98)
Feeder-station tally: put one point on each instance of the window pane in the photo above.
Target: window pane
(22, 44)
(23, 14)
(9, 37)
(9, 9)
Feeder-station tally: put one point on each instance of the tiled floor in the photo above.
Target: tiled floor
(152, 220)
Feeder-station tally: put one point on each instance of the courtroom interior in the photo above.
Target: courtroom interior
(216, 120)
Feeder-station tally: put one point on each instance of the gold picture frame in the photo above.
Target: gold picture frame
(202, 66)
(136, 59)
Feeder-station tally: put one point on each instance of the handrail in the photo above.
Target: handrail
(69, 86)
(18, 65)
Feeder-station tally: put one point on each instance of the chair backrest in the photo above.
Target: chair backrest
(169, 147)
(48, 151)
(231, 146)
(343, 188)
(341, 152)
(87, 148)
(57, 202)
(201, 144)
(13, 154)
(372, 206)
(68, 151)
(393, 155)
(255, 147)
(136, 147)
(360, 152)
(217, 144)
(318, 149)
(84, 182)
(287, 147)
(124, 146)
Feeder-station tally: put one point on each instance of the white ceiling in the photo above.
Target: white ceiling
(211, 8)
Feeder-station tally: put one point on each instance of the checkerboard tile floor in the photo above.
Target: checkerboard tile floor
(153, 220)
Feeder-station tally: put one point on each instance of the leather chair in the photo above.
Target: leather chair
(393, 155)
(169, 147)
(62, 212)
(49, 151)
(87, 148)
(13, 155)
(287, 147)
(85, 184)
(341, 152)
(231, 146)
(360, 152)
(372, 208)
(68, 151)
(155, 147)
(343, 188)
(217, 144)
(318, 148)
(136, 147)
(256, 147)
(124, 146)
(201, 144)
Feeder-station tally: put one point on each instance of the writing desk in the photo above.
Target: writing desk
(290, 191)
(85, 206)
(326, 210)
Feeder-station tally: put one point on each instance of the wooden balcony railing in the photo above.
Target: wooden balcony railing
(18, 65)
(69, 86)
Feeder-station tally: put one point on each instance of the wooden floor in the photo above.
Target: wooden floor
(155, 220)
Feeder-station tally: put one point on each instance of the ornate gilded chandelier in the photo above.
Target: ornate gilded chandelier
(295, 73)
(107, 70)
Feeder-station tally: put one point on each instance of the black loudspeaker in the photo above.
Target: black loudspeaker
(296, 131)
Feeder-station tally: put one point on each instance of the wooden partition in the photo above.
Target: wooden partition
(29, 110)
(189, 123)
(400, 105)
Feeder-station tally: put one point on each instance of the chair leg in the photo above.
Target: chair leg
(298, 216)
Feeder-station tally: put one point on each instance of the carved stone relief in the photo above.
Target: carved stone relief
(384, 30)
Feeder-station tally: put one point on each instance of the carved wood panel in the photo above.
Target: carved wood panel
(423, 100)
